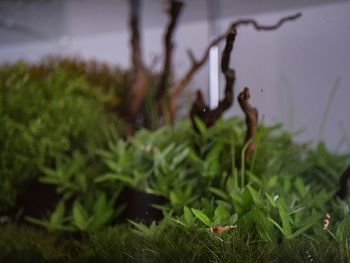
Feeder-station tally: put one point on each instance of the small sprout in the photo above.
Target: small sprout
(326, 220)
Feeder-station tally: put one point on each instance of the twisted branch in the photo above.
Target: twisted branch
(251, 120)
(199, 107)
(197, 64)
(258, 27)
(141, 82)
(174, 10)
(136, 56)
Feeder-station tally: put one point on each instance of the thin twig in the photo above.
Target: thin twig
(180, 85)
(251, 115)
(174, 11)
(259, 27)
(199, 107)
(140, 85)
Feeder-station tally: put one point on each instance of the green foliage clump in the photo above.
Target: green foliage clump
(110, 80)
(48, 120)
(30, 245)
(282, 192)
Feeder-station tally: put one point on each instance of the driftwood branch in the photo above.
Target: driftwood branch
(259, 27)
(251, 119)
(174, 9)
(199, 107)
(196, 64)
(343, 184)
(141, 75)
(180, 85)
(136, 56)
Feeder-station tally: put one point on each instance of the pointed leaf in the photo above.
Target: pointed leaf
(202, 217)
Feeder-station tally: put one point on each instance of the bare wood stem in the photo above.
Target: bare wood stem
(259, 27)
(251, 119)
(141, 75)
(199, 107)
(180, 85)
(343, 184)
(136, 56)
(174, 10)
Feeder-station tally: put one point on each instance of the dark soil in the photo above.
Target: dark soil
(139, 206)
(35, 200)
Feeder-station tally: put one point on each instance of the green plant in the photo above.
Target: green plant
(48, 126)
(283, 193)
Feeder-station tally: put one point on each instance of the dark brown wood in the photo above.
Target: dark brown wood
(180, 85)
(259, 27)
(343, 184)
(199, 108)
(251, 120)
(141, 75)
(166, 98)
(173, 10)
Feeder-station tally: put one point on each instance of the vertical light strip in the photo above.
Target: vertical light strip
(214, 77)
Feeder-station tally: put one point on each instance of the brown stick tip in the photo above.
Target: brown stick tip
(244, 95)
(173, 7)
(231, 34)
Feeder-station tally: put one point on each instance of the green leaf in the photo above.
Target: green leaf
(57, 216)
(254, 194)
(141, 228)
(188, 217)
(219, 193)
(178, 222)
(299, 184)
(39, 222)
(285, 218)
(79, 216)
(297, 209)
(100, 204)
(202, 217)
(233, 219)
(221, 214)
(200, 125)
(263, 225)
(271, 200)
(115, 177)
(343, 229)
(100, 220)
(277, 225)
(113, 165)
(81, 178)
(309, 223)
(179, 158)
(174, 200)
(49, 180)
(214, 153)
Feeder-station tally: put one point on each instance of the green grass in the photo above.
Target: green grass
(170, 243)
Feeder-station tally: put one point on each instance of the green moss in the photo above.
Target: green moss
(171, 243)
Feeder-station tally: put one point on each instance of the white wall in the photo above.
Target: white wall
(291, 72)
